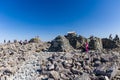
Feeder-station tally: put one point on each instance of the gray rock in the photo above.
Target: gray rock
(84, 76)
(75, 71)
(72, 37)
(51, 67)
(101, 70)
(97, 63)
(50, 79)
(66, 64)
(63, 76)
(95, 44)
(77, 42)
(112, 71)
(105, 58)
(60, 44)
(107, 70)
(106, 78)
(55, 75)
(7, 72)
(109, 44)
(96, 58)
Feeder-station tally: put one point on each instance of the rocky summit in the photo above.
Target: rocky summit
(63, 58)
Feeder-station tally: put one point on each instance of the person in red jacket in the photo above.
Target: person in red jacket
(86, 46)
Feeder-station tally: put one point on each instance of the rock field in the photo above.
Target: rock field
(77, 65)
(64, 58)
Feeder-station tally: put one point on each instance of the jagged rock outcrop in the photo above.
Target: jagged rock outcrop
(77, 42)
(35, 40)
(95, 43)
(60, 44)
(72, 37)
(109, 44)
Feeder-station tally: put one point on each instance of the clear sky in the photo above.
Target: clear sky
(24, 19)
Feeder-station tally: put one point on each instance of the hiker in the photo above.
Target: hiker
(8, 41)
(25, 42)
(110, 36)
(86, 46)
(116, 38)
(4, 41)
(20, 42)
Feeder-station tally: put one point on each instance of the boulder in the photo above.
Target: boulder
(104, 58)
(95, 43)
(109, 44)
(7, 72)
(55, 75)
(101, 70)
(106, 78)
(35, 40)
(51, 67)
(107, 70)
(77, 42)
(60, 44)
(63, 76)
(66, 64)
(112, 71)
(74, 71)
(84, 76)
(97, 63)
(72, 37)
(82, 40)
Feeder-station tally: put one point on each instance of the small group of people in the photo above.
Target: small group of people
(116, 38)
(15, 41)
(7, 41)
(23, 42)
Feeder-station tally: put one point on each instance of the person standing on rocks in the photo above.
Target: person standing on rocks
(20, 42)
(4, 41)
(116, 38)
(8, 41)
(86, 46)
(110, 36)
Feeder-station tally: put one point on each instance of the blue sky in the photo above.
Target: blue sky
(24, 19)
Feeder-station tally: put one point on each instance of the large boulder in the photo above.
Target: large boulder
(55, 75)
(95, 43)
(82, 41)
(72, 37)
(60, 44)
(35, 40)
(112, 71)
(109, 44)
(106, 70)
(84, 76)
(77, 42)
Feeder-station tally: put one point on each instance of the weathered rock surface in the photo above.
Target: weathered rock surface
(95, 43)
(32, 61)
(77, 42)
(60, 44)
(109, 44)
(58, 65)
